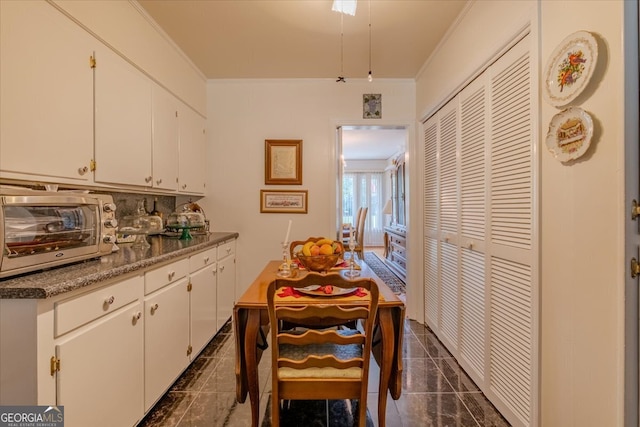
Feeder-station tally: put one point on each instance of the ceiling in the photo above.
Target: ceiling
(264, 39)
(372, 143)
(301, 38)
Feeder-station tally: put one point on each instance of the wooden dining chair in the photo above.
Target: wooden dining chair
(360, 233)
(346, 232)
(321, 363)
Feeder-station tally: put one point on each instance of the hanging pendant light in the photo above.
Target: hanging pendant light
(370, 78)
(340, 78)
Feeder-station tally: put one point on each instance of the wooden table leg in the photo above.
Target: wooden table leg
(251, 363)
(385, 322)
(239, 326)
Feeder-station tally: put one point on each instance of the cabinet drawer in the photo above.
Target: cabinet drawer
(80, 310)
(162, 276)
(202, 259)
(226, 249)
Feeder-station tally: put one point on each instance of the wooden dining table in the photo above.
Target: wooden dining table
(251, 327)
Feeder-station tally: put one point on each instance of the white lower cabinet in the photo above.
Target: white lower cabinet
(100, 372)
(108, 353)
(226, 290)
(203, 299)
(166, 339)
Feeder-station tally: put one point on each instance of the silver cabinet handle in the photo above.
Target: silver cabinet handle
(158, 181)
(171, 274)
(184, 186)
(154, 308)
(221, 268)
(83, 170)
(206, 260)
(148, 179)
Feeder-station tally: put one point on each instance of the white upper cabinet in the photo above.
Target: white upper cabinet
(74, 111)
(192, 151)
(46, 107)
(165, 139)
(122, 122)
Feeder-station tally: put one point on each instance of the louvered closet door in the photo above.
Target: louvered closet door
(449, 208)
(473, 189)
(479, 247)
(431, 225)
(512, 257)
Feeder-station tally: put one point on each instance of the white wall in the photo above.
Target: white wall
(581, 204)
(243, 113)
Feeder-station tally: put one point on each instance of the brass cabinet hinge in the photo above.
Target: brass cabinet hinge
(92, 61)
(635, 268)
(189, 350)
(189, 286)
(92, 165)
(54, 365)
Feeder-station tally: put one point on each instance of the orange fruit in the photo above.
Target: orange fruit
(326, 249)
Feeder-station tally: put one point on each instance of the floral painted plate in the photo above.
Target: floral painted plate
(569, 134)
(570, 68)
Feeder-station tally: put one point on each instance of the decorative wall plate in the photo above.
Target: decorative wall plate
(570, 68)
(569, 134)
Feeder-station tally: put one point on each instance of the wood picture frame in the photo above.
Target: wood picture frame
(283, 201)
(283, 162)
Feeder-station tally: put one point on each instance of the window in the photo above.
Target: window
(364, 190)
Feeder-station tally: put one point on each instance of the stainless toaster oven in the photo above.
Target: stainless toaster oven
(41, 229)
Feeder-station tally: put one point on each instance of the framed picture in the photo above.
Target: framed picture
(283, 201)
(372, 106)
(283, 161)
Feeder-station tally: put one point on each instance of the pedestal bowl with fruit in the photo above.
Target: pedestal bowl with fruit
(320, 255)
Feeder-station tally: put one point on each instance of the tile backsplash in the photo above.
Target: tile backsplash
(126, 203)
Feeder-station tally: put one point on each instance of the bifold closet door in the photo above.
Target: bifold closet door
(479, 248)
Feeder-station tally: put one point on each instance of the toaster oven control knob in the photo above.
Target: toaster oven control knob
(111, 223)
(109, 207)
(109, 238)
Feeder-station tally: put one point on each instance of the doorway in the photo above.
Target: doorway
(366, 158)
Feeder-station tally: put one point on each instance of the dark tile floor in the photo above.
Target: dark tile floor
(436, 392)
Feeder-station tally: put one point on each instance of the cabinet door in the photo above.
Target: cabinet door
(166, 331)
(226, 289)
(123, 122)
(100, 382)
(203, 307)
(46, 107)
(192, 152)
(165, 139)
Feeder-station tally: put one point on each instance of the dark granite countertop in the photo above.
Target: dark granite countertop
(58, 280)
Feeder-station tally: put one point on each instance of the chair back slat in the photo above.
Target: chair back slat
(312, 336)
(321, 362)
(322, 312)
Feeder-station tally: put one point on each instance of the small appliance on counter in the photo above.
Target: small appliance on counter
(42, 229)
